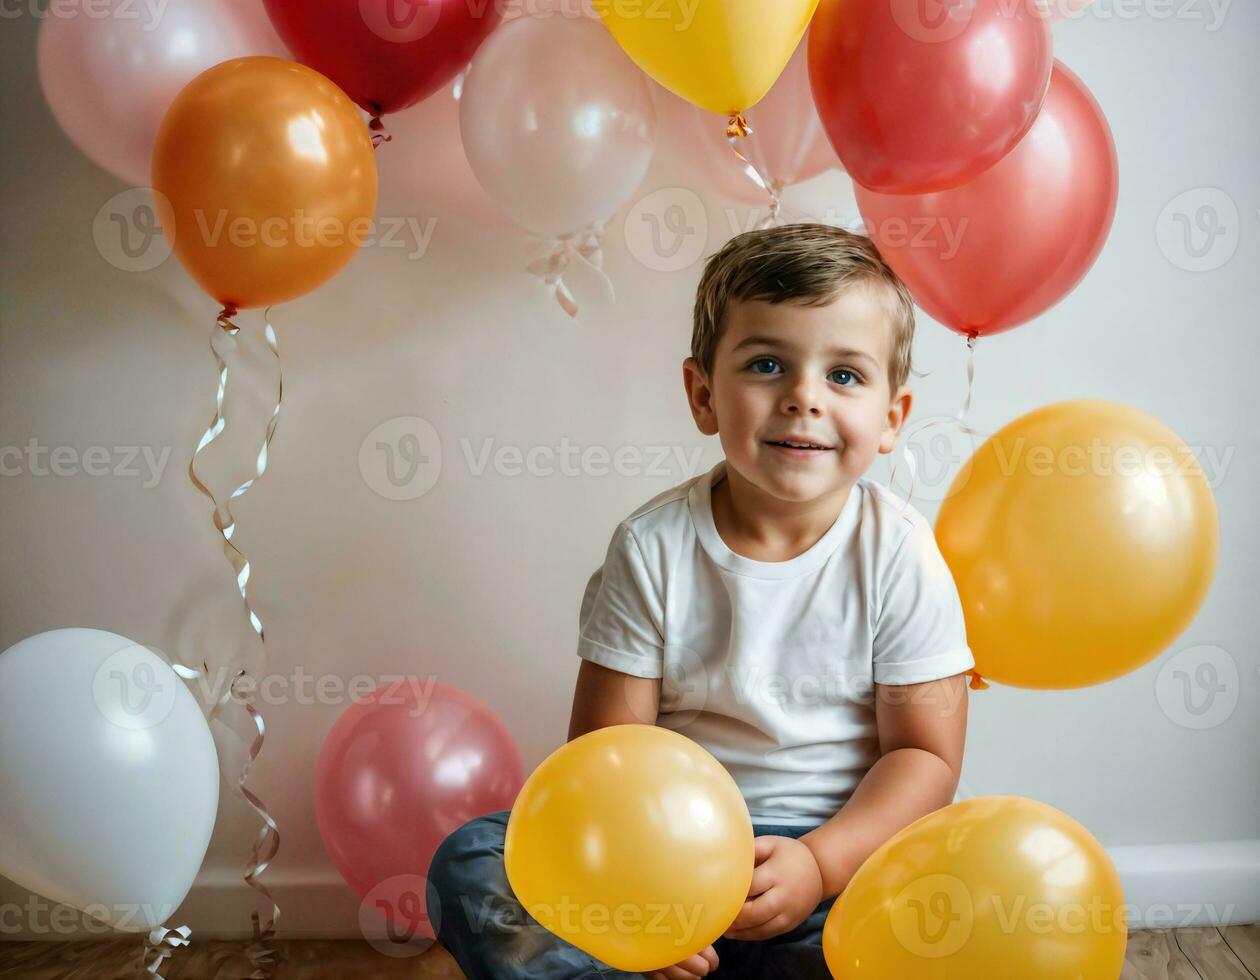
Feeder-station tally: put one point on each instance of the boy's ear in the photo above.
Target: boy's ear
(898, 412)
(699, 396)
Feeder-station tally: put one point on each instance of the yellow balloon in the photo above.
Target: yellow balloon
(1083, 538)
(632, 843)
(987, 889)
(723, 55)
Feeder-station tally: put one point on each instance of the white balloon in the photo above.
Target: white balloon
(109, 779)
(557, 122)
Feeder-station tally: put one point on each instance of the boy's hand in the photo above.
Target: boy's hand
(700, 965)
(786, 887)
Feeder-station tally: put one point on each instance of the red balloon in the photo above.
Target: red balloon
(385, 54)
(922, 97)
(1003, 249)
(399, 770)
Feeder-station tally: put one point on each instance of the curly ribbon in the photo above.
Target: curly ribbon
(736, 130)
(584, 247)
(379, 133)
(160, 944)
(222, 340)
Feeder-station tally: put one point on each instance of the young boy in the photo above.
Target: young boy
(781, 610)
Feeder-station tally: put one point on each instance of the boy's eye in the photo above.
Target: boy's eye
(845, 377)
(762, 361)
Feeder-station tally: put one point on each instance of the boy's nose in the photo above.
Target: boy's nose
(802, 399)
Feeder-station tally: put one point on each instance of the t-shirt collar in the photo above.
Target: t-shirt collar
(700, 503)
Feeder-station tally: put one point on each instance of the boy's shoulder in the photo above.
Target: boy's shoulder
(666, 514)
(888, 520)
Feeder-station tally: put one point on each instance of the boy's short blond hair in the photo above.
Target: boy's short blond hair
(807, 264)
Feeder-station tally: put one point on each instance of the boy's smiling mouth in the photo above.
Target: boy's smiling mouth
(798, 447)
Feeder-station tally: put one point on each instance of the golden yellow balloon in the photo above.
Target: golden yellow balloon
(265, 180)
(988, 889)
(1083, 538)
(632, 843)
(723, 55)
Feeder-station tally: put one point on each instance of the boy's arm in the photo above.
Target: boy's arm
(605, 697)
(922, 728)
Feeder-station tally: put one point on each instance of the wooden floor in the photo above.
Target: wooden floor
(1231, 953)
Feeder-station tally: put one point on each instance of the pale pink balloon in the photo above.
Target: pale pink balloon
(557, 122)
(110, 68)
(788, 143)
(399, 770)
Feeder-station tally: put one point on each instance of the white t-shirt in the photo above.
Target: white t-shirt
(771, 666)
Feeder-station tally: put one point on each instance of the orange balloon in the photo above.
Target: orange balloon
(987, 889)
(1083, 538)
(264, 179)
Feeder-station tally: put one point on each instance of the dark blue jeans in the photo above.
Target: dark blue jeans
(482, 925)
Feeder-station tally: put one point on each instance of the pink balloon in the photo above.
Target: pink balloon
(920, 97)
(994, 253)
(788, 143)
(557, 122)
(399, 770)
(110, 68)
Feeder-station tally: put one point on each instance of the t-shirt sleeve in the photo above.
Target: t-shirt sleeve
(620, 625)
(920, 634)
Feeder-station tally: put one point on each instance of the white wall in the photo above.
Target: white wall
(478, 581)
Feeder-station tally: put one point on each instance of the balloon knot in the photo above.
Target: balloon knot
(738, 125)
(379, 133)
(978, 683)
(225, 317)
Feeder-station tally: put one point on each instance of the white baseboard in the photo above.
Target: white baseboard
(1179, 885)
(1168, 886)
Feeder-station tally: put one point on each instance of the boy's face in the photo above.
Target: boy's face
(801, 374)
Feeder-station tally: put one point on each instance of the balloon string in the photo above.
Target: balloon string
(585, 247)
(907, 457)
(736, 130)
(222, 340)
(977, 683)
